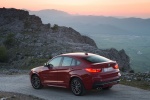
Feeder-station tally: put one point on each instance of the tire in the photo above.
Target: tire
(77, 87)
(107, 88)
(36, 82)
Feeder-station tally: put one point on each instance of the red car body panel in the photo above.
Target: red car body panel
(61, 76)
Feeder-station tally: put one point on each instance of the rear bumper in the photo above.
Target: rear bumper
(106, 84)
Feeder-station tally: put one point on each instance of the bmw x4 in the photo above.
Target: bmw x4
(80, 72)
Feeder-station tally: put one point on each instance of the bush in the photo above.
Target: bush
(123, 69)
(27, 24)
(3, 54)
(131, 71)
(9, 40)
(55, 27)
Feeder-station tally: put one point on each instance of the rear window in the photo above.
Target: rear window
(96, 59)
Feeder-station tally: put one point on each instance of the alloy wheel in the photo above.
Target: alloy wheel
(36, 82)
(77, 87)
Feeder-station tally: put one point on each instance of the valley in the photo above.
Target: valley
(137, 47)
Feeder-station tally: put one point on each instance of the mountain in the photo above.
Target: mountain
(130, 34)
(95, 24)
(25, 40)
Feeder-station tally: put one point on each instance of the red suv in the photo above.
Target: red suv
(78, 71)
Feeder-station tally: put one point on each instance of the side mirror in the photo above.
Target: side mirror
(48, 65)
(45, 64)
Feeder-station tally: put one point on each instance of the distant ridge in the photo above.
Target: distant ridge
(95, 24)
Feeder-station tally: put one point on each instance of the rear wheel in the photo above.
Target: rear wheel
(36, 82)
(77, 87)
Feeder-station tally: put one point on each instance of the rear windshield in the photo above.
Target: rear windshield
(96, 59)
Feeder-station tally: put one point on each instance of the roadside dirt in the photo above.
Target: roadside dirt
(16, 96)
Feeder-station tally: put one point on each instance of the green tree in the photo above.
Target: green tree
(3, 54)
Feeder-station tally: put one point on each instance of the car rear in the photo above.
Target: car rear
(102, 72)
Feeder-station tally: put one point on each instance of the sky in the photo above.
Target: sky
(124, 8)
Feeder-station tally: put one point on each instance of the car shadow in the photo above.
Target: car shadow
(58, 90)
(101, 92)
(93, 92)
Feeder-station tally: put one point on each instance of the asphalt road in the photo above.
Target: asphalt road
(21, 84)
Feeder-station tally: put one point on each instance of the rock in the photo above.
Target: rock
(144, 77)
(33, 39)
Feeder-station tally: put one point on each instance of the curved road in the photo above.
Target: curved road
(21, 84)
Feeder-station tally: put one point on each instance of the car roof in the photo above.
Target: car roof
(77, 54)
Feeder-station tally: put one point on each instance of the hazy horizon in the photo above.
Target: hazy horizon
(89, 14)
(126, 8)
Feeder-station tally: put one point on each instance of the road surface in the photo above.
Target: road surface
(21, 84)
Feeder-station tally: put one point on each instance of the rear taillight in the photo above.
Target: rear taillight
(93, 70)
(116, 66)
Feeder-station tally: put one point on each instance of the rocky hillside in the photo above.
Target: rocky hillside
(24, 39)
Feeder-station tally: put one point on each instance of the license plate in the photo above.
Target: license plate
(108, 69)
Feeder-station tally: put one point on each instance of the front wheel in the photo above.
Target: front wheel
(77, 87)
(36, 82)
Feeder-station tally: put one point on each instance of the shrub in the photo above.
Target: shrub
(123, 69)
(3, 54)
(48, 26)
(27, 24)
(131, 71)
(9, 40)
(55, 27)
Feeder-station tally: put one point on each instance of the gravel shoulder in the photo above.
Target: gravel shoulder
(16, 96)
(21, 84)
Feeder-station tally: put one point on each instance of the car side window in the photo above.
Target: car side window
(78, 63)
(75, 62)
(55, 62)
(66, 61)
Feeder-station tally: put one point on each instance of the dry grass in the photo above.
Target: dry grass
(139, 84)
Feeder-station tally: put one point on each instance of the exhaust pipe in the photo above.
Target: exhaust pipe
(99, 88)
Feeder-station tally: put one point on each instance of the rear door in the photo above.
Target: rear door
(68, 65)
